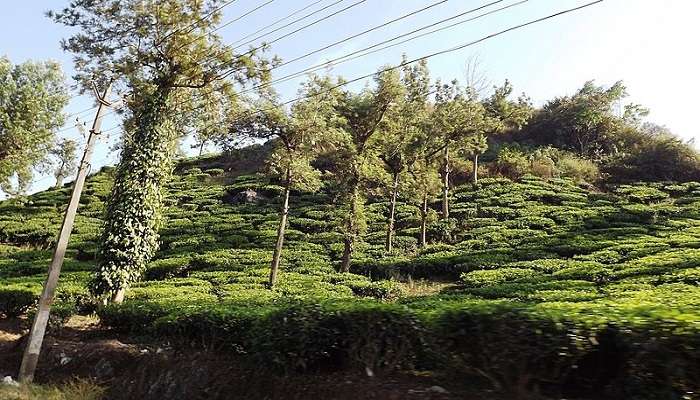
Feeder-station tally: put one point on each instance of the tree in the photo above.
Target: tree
(298, 137)
(215, 113)
(457, 121)
(165, 55)
(653, 153)
(503, 115)
(585, 122)
(32, 97)
(361, 114)
(66, 162)
(401, 128)
(424, 179)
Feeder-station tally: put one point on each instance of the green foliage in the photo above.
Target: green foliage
(577, 168)
(170, 89)
(73, 390)
(512, 163)
(481, 278)
(546, 162)
(130, 236)
(552, 276)
(32, 97)
(354, 161)
(16, 300)
(653, 153)
(65, 154)
(585, 122)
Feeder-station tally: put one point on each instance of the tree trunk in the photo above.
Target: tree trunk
(118, 296)
(424, 221)
(134, 208)
(347, 253)
(280, 232)
(446, 186)
(201, 147)
(392, 213)
(59, 181)
(351, 233)
(475, 166)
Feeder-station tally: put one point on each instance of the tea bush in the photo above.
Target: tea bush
(526, 286)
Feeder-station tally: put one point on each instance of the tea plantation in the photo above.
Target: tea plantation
(535, 286)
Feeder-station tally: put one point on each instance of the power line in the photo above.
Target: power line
(281, 19)
(241, 17)
(201, 19)
(461, 14)
(286, 35)
(280, 37)
(441, 52)
(247, 13)
(402, 17)
(449, 50)
(347, 57)
(431, 55)
(190, 27)
(285, 25)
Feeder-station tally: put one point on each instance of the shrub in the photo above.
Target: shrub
(61, 311)
(641, 193)
(166, 268)
(585, 270)
(15, 300)
(382, 290)
(511, 163)
(443, 230)
(215, 171)
(475, 279)
(578, 169)
(310, 337)
(514, 353)
(192, 171)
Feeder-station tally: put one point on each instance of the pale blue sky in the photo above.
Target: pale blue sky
(649, 44)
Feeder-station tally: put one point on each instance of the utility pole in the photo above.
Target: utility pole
(38, 330)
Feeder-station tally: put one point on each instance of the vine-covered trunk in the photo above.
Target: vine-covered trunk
(446, 185)
(351, 230)
(424, 221)
(130, 233)
(475, 167)
(392, 213)
(274, 267)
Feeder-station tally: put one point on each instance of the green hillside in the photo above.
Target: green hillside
(540, 279)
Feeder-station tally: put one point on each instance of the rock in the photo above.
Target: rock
(248, 196)
(9, 381)
(103, 369)
(438, 389)
(64, 359)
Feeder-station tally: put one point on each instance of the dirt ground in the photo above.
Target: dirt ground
(131, 368)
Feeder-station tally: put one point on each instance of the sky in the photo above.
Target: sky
(651, 45)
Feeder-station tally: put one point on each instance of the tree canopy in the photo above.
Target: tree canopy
(32, 98)
(165, 55)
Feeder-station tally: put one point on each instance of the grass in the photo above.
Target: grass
(74, 390)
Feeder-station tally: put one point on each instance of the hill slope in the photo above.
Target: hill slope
(542, 281)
